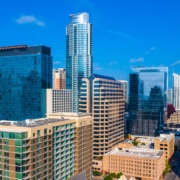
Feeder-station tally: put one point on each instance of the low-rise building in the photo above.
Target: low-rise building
(145, 164)
(165, 142)
(174, 120)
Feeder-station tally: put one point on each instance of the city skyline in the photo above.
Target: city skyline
(125, 34)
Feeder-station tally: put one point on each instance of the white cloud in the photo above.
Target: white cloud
(140, 59)
(96, 67)
(29, 19)
(113, 63)
(151, 49)
(175, 63)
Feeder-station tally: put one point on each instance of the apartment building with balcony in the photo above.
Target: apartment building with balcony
(58, 147)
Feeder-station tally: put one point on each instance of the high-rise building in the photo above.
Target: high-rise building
(58, 100)
(124, 86)
(58, 147)
(25, 74)
(102, 97)
(59, 78)
(78, 54)
(148, 88)
(169, 96)
(176, 91)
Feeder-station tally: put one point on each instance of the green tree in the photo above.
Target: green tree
(135, 143)
(119, 175)
(168, 168)
(96, 173)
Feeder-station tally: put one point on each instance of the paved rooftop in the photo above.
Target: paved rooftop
(137, 152)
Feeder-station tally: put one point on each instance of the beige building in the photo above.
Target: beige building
(58, 100)
(102, 97)
(145, 164)
(59, 78)
(58, 147)
(174, 119)
(165, 142)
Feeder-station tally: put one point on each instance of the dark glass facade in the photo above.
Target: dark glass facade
(25, 73)
(148, 87)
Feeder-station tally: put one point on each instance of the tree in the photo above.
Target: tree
(119, 175)
(96, 173)
(168, 168)
(113, 175)
(135, 143)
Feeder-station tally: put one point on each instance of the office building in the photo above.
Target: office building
(148, 88)
(58, 100)
(169, 96)
(25, 74)
(176, 91)
(174, 120)
(165, 142)
(137, 163)
(59, 78)
(102, 97)
(78, 54)
(124, 86)
(56, 148)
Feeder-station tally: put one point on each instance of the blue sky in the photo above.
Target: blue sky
(126, 33)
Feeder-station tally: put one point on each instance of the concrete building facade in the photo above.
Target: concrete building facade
(176, 91)
(165, 142)
(144, 164)
(59, 78)
(58, 100)
(102, 97)
(58, 147)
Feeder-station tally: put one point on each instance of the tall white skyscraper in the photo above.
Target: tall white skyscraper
(124, 86)
(78, 54)
(169, 96)
(176, 91)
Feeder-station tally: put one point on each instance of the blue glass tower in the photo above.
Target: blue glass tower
(148, 88)
(25, 74)
(78, 54)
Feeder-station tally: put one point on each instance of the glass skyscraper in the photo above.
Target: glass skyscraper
(148, 88)
(78, 54)
(176, 91)
(25, 73)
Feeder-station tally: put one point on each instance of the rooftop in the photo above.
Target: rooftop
(53, 118)
(137, 152)
(165, 137)
(31, 122)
